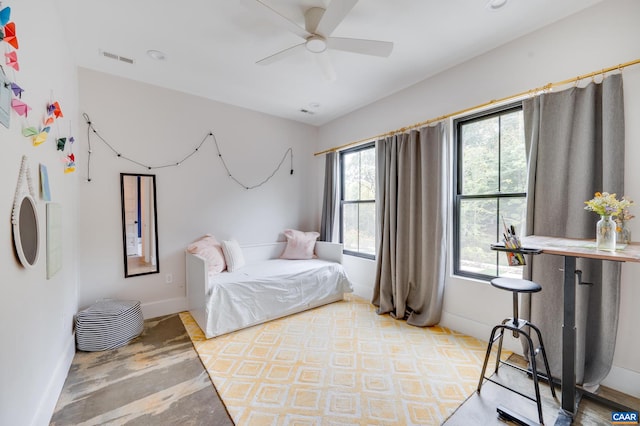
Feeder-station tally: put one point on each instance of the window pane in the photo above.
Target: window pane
(478, 230)
(351, 173)
(368, 174)
(513, 212)
(480, 156)
(350, 226)
(513, 161)
(367, 235)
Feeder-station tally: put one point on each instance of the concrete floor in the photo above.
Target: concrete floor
(155, 379)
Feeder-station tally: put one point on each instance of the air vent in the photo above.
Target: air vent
(116, 57)
(110, 55)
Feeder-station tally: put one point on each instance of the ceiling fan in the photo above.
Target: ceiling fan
(319, 24)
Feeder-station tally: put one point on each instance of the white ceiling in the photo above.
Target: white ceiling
(211, 47)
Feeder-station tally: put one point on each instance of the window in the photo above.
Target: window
(358, 200)
(490, 189)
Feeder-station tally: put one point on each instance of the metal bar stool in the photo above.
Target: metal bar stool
(517, 325)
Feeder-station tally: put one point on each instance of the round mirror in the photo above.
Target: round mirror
(25, 232)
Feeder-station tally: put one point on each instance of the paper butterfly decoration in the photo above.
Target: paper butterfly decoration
(12, 60)
(41, 137)
(37, 137)
(20, 107)
(70, 163)
(29, 131)
(60, 143)
(5, 15)
(17, 90)
(54, 109)
(10, 34)
(49, 120)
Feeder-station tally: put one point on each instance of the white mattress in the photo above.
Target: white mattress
(270, 289)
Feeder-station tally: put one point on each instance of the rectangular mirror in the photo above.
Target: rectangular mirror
(139, 224)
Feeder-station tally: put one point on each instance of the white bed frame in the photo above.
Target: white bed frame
(197, 274)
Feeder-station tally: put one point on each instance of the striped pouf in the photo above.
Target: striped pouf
(108, 324)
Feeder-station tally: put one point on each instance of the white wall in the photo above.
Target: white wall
(157, 126)
(597, 38)
(36, 314)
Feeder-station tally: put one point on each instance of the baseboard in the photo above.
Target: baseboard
(623, 380)
(164, 307)
(478, 330)
(363, 292)
(54, 387)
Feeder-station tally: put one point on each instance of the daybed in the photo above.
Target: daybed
(265, 288)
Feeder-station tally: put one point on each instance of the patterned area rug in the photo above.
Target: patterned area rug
(156, 379)
(341, 364)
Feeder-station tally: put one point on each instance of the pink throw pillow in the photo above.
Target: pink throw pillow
(300, 244)
(209, 249)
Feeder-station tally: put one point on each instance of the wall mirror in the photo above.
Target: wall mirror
(24, 218)
(139, 224)
(25, 231)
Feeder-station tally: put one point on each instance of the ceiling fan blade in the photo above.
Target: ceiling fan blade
(275, 17)
(324, 61)
(281, 54)
(365, 47)
(335, 13)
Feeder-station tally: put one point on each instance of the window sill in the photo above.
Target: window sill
(359, 255)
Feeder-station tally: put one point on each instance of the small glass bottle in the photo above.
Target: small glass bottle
(606, 234)
(624, 233)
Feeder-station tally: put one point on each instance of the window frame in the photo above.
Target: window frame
(457, 187)
(343, 202)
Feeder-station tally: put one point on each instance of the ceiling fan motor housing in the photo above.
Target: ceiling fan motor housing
(316, 44)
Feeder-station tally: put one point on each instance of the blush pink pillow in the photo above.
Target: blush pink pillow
(209, 249)
(300, 244)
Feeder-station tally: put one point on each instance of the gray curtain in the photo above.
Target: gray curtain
(575, 147)
(330, 199)
(411, 213)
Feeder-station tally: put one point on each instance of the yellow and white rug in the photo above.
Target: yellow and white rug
(341, 364)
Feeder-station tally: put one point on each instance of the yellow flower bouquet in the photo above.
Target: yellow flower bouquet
(606, 204)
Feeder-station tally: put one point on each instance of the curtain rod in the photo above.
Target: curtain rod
(483, 105)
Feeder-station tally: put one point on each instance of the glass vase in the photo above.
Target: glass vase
(624, 233)
(606, 234)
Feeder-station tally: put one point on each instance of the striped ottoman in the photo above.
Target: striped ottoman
(108, 324)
